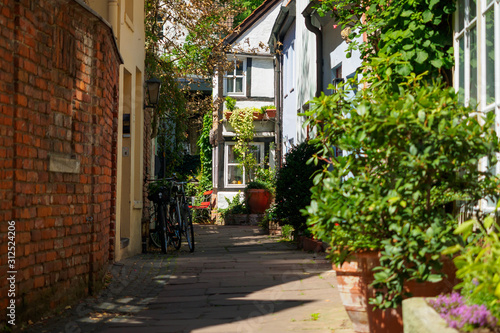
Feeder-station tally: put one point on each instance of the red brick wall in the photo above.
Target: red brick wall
(58, 98)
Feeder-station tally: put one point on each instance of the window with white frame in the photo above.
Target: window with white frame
(234, 175)
(477, 46)
(234, 80)
(466, 51)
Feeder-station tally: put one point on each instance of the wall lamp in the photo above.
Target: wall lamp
(153, 86)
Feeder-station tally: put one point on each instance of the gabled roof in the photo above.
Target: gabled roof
(285, 18)
(250, 20)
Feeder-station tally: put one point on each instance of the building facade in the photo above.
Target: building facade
(251, 82)
(127, 19)
(59, 108)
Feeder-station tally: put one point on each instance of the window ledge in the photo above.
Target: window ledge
(129, 22)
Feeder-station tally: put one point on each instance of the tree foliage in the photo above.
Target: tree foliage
(412, 151)
(184, 49)
(413, 147)
(418, 31)
(293, 186)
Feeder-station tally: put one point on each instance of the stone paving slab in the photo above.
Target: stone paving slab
(237, 280)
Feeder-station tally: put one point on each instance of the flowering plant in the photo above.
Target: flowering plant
(460, 315)
(478, 262)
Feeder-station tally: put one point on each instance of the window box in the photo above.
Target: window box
(268, 114)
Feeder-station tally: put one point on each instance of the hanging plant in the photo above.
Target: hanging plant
(241, 120)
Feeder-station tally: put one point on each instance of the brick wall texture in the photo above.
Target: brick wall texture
(59, 77)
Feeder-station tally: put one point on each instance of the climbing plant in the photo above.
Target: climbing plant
(418, 31)
(206, 153)
(241, 120)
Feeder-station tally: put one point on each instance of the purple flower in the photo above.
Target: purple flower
(459, 315)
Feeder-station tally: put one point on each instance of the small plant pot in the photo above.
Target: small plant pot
(271, 113)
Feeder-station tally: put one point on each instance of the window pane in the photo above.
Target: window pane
(256, 150)
(461, 67)
(490, 57)
(230, 84)
(239, 84)
(239, 67)
(461, 14)
(472, 9)
(234, 176)
(473, 68)
(231, 156)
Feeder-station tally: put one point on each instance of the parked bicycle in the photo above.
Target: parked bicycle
(185, 216)
(171, 216)
(166, 227)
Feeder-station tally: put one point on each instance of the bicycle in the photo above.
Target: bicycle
(185, 217)
(166, 230)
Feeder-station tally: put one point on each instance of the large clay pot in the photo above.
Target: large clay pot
(354, 278)
(258, 200)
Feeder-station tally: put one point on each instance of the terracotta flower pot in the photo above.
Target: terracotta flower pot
(271, 113)
(354, 278)
(258, 200)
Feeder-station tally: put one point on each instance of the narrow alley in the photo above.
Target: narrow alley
(237, 280)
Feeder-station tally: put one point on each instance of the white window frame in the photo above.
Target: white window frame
(468, 25)
(233, 76)
(479, 23)
(227, 164)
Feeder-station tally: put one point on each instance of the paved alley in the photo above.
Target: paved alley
(237, 280)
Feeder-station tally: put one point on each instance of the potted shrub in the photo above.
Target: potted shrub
(258, 196)
(293, 188)
(385, 206)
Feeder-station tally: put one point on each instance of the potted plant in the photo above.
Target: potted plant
(269, 111)
(236, 212)
(258, 196)
(386, 206)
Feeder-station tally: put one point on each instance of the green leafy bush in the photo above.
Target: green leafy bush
(235, 206)
(230, 103)
(287, 231)
(269, 217)
(478, 263)
(408, 144)
(260, 184)
(293, 186)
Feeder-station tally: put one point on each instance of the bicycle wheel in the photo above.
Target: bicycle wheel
(162, 229)
(187, 226)
(154, 234)
(175, 228)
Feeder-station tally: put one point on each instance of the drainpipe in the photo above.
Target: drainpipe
(319, 48)
(113, 15)
(278, 77)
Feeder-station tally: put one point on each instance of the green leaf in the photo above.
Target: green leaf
(464, 228)
(488, 221)
(452, 249)
(427, 16)
(434, 278)
(438, 63)
(421, 56)
(432, 3)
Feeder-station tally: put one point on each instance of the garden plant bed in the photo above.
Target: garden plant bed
(421, 317)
